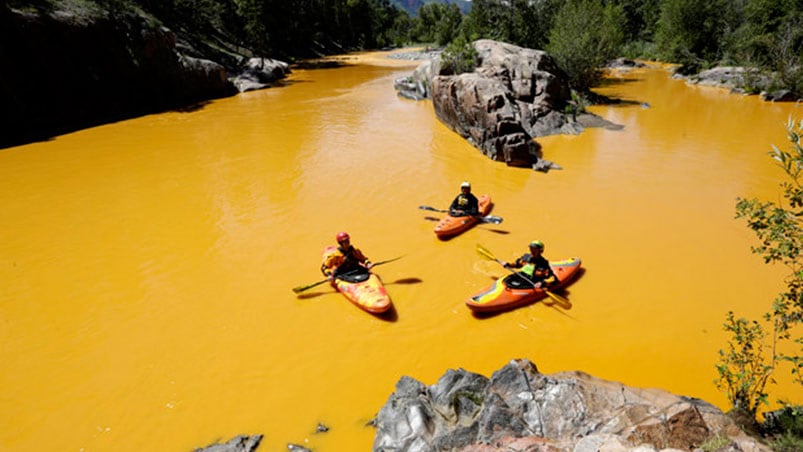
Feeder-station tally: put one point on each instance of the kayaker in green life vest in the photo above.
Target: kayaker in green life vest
(534, 267)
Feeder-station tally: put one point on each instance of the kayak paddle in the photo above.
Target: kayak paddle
(486, 219)
(300, 289)
(484, 252)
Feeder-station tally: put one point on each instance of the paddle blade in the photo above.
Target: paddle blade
(300, 289)
(558, 298)
(491, 219)
(484, 252)
(429, 208)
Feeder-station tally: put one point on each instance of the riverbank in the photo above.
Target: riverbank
(79, 66)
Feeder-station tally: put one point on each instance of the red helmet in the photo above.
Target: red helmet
(342, 236)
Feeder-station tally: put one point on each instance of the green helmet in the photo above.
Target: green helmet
(537, 244)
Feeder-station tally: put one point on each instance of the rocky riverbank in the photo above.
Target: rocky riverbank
(520, 409)
(82, 66)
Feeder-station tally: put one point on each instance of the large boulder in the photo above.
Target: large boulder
(514, 95)
(519, 408)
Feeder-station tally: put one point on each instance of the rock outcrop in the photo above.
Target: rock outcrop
(519, 408)
(514, 95)
(65, 69)
(241, 443)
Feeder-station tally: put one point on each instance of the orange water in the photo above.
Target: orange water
(146, 266)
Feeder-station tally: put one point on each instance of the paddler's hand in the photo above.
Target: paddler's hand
(368, 265)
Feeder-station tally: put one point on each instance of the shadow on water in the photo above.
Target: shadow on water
(557, 306)
(611, 81)
(405, 281)
(495, 231)
(309, 295)
(319, 64)
(61, 123)
(391, 315)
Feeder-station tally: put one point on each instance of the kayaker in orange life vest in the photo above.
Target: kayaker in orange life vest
(345, 260)
(535, 267)
(465, 204)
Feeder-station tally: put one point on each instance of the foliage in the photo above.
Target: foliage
(521, 22)
(640, 18)
(438, 23)
(788, 419)
(581, 34)
(690, 32)
(578, 104)
(585, 35)
(787, 443)
(714, 443)
(770, 37)
(459, 57)
(743, 368)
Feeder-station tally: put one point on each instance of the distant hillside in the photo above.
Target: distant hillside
(411, 6)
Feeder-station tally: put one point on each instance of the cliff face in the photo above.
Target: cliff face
(65, 70)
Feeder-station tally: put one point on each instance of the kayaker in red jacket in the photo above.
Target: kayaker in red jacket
(465, 204)
(346, 259)
(535, 267)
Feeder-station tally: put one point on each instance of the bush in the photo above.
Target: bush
(787, 420)
(585, 35)
(458, 57)
(787, 443)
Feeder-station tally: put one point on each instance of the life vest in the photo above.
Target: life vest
(344, 260)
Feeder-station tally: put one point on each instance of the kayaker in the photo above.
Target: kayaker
(534, 266)
(346, 259)
(465, 204)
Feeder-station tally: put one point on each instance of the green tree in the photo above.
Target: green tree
(744, 370)
(458, 57)
(640, 18)
(524, 23)
(691, 32)
(585, 35)
(438, 23)
(770, 37)
(487, 19)
(744, 367)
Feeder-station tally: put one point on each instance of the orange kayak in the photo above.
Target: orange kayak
(450, 226)
(509, 293)
(365, 290)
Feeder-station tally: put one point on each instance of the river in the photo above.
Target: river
(147, 265)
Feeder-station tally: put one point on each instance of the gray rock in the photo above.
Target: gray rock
(514, 95)
(781, 95)
(519, 408)
(240, 443)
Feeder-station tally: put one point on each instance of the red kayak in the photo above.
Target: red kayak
(450, 226)
(511, 292)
